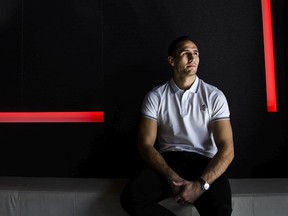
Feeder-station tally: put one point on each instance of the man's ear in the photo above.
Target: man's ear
(171, 60)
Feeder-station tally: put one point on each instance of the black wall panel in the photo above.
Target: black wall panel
(10, 54)
(105, 55)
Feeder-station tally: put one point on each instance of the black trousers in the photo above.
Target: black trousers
(141, 195)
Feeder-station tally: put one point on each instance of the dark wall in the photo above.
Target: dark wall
(105, 55)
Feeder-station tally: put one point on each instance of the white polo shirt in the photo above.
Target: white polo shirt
(184, 117)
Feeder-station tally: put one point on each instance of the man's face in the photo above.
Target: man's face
(186, 60)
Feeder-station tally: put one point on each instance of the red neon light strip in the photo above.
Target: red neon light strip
(269, 56)
(19, 117)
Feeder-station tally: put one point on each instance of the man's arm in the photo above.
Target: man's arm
(146, 139)
(223, 135)
(217, 166)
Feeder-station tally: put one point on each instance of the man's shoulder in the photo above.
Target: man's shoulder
(161, 87)
(208, 87)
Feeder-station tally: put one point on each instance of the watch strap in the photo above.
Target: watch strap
(204, 184)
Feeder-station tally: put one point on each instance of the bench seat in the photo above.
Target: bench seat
(46, 196)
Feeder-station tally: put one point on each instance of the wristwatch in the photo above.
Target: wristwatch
(204, 184)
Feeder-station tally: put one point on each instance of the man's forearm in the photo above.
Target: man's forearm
(217, 166)
(157, 162)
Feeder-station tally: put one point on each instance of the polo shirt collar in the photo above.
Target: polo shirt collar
(192, 89)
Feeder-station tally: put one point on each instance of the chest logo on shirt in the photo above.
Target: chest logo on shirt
(203, 107)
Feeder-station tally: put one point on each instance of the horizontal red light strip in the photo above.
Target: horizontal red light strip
(6, 117)
(269, 56)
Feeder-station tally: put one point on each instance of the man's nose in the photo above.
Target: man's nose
(190, 57)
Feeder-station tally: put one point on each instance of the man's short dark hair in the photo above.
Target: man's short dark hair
(172, 48)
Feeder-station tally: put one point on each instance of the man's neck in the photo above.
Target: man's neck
(184, 83)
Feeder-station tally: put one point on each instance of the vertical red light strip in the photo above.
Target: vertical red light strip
(269, 56)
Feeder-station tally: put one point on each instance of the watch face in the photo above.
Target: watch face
(206, 186)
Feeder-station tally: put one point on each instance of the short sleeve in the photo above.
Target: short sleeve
(150, 105)
(220, 107)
